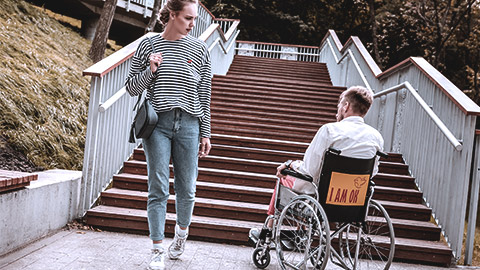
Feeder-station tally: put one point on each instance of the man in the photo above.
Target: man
(349, 134)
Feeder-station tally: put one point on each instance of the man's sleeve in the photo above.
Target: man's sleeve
(313, 159)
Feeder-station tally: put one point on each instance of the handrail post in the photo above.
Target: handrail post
(399, 120)
(88, 171)
(473, 207)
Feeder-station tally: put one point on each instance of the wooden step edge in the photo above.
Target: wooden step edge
(407, 191)
(202, 184)
(395, 176)
(141, 215)
(402, 205)
(199, 201)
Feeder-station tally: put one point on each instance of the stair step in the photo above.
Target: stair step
(201, 228)
(394, 157)
(204, 189)
(318, 115)
(263, 104)
(247, 94)
(203, 206)
(394, 168)
(407, 211)
(414, 229)
(397, 194)
(271, 81)
(262, 85)
(413, 250)
(276, 145)
(241, 165)
(236, 232)
(264, 134)
(294, 74)
(286, 89)
(276, 76)
(212, 175)
(240, 152)
(248, 120)
(225, 111)
(394, 180)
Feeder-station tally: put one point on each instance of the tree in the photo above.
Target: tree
(373, 23)
(99, 42)
(155, 15)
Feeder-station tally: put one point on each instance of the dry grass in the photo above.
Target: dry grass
(476, 247)
(43, 95)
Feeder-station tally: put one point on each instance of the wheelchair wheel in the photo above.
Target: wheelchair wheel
(375, 238)
(302, 235)
(261, 257)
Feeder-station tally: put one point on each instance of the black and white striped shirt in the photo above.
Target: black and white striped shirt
(183, 79)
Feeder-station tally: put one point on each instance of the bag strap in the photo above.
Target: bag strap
(140, 96)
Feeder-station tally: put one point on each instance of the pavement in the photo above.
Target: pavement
(90, 249)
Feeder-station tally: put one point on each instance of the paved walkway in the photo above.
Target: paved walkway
(86, 249)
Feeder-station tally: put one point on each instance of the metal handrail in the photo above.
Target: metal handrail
(443, 128)
(355, 62)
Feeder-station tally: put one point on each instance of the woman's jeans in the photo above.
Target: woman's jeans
(176, 136)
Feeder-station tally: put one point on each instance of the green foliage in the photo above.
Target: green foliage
(43, 95)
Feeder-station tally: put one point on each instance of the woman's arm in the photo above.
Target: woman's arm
(140, 75)
(204, 93)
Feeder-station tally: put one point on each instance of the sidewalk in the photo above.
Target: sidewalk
(86, 249)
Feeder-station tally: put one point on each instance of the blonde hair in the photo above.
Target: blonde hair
(173, 6)
(359, 97)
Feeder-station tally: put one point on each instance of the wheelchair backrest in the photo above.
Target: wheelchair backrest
(344, 186)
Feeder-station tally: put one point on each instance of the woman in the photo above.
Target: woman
(178, 82)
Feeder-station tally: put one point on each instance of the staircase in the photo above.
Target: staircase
(264, 112)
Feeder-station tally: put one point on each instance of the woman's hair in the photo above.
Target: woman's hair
(173, 6)
(359, 97)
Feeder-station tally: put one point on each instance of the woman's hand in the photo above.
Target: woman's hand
(205, 147)
(155, 60)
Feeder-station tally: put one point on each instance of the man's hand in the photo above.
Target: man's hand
(279, 171)
(205, 147)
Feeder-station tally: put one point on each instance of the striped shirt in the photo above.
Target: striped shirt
(183, 80)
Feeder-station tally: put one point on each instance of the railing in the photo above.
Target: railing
(279, 51)
(110, 109)
(421, 115)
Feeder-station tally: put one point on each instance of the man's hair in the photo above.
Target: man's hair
(359, 97)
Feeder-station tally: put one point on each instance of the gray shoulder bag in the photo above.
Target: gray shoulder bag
(145, 119)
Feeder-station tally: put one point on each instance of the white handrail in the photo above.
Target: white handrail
(349, 52)
(107, 104)
(217, 41)
(443, 128)
(272, 51)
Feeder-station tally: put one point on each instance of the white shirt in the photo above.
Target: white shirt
(351, 135)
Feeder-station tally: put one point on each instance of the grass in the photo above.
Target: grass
(43, 95)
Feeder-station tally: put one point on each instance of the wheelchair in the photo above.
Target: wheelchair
(339, 221)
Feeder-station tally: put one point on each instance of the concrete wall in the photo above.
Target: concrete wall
(47, 205)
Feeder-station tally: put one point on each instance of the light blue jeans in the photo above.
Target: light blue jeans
(176, 136)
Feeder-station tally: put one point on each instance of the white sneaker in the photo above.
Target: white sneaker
(177, 246)
(157, 261)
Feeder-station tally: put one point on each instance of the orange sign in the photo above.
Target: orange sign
(347, 189)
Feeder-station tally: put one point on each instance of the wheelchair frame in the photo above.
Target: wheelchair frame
(302, 238)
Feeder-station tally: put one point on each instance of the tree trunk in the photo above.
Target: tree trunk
(373, 22)
(154, 18)
(99, 43)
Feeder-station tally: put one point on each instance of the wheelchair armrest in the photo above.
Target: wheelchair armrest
(297, 175)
